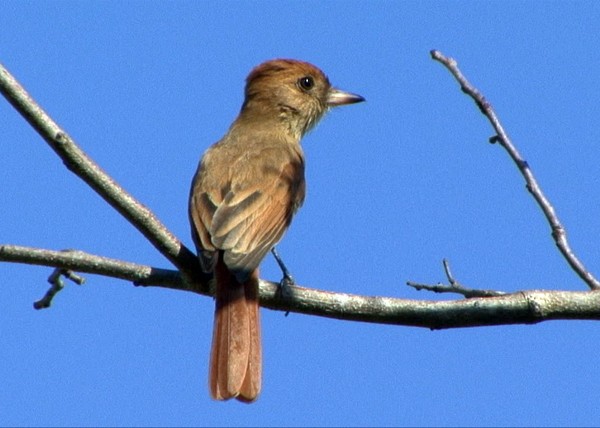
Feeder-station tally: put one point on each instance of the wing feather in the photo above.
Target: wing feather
(245, 208)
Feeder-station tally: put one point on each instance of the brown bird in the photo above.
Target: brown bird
(247, 188)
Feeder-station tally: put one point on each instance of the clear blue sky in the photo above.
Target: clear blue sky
(394, 185)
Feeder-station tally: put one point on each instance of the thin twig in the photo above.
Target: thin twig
(449, 275)
(454, 286)
(558, 231)
(56, 285)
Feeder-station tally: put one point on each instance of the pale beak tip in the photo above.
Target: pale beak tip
(337, 97)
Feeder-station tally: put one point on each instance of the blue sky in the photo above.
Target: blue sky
(394, 185)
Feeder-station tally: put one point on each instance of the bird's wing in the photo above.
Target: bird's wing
(248, 215)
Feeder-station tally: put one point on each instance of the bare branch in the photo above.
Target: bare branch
(558, 231)
(454, 286)
(85, 168)
(56, 285)
(89, 263)
(517, 308)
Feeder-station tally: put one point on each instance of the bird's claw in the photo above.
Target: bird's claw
(285, 286)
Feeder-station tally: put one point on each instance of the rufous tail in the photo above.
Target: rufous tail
(236, 355)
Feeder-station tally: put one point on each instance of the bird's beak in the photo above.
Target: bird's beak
(336, 97)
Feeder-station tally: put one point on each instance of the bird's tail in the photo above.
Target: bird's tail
(236, 355)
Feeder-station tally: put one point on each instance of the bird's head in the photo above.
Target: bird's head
(293, 92)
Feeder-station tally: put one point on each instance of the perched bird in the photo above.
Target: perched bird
(247, 188)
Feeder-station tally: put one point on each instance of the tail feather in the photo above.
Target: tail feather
(236, 361)
(252, 382)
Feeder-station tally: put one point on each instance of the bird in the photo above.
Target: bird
(246, 189)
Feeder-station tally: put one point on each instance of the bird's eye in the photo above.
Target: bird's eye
(306, 82)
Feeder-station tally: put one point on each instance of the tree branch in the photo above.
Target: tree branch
(518, 308)
(56, 285)
(559, 233)
(85, 168)
(81, 261)
(454, 286)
